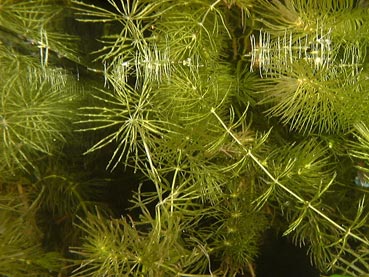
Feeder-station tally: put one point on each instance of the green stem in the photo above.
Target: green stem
(298, 198)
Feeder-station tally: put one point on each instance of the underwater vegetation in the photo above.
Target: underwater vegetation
(166, 138)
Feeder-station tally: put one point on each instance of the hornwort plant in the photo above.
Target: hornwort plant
(165, 138)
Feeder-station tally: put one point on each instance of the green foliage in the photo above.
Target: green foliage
(315, 71)
(39, 23)
(131, 112)
(20, 240)
(231, 117)
(34, 111)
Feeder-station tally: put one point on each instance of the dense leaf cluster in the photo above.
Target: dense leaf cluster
(164, 138)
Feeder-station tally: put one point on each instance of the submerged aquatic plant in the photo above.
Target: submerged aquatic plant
(34, 110)
(314, 73)
(230, 118)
